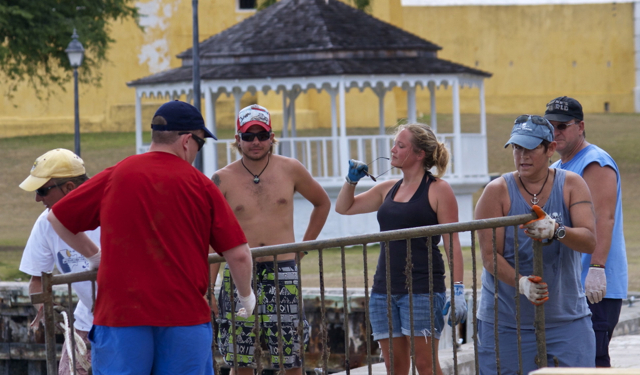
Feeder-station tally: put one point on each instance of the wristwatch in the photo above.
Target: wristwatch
(560, 232)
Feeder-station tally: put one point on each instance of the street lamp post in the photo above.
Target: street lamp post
(75, 52)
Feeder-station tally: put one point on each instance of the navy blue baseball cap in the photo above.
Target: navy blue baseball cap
(529, 131)
(181, 116)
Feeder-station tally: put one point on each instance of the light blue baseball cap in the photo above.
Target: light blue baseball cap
(529, 131)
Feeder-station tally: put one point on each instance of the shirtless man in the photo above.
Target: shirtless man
(259, 188)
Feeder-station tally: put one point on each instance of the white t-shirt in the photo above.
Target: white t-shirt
(44, 249)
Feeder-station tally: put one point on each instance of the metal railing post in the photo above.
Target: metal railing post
(538, 320)
(49, 323)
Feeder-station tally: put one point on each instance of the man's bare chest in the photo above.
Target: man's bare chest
(265, 198)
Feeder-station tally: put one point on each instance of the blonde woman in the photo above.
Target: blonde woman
(418, 199)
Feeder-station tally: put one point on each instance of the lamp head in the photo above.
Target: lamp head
(75, 51)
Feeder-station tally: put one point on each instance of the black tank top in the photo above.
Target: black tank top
(402, 215)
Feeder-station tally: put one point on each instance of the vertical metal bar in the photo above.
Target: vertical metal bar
(257, 321)
(234, 331)
(475, 301)
(76, 112)
(454, 320)
(495, 301)
(345, 310)
(432, 316)
(49, 324)
(93, 295)
(409, 272)
(323, 315)
(278, 315)
(300, 313)
(389, 315)
(366, 307)
(195, 58)
(214, 326)
(72, 331)
(517, 296)
(538, 320)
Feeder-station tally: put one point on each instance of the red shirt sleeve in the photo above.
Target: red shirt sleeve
(79, 211)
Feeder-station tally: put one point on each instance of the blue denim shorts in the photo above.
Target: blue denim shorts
(400, 315)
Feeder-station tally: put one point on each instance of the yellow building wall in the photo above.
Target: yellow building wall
(535, 53)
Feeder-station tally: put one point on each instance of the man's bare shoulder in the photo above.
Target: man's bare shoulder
(225, 174)
(286, 162)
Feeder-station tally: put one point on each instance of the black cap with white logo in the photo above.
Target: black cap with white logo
(564, 109)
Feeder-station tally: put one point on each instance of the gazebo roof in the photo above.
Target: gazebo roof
(309, 25)
(296, 38)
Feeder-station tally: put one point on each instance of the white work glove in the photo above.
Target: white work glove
(544, 227)
(595, 285)
(460, 315)
(534, 289)
(248, 304)
(94, 260)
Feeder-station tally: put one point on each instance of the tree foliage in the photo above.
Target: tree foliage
(35, 33)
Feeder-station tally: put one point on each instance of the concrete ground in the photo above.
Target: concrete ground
(623, 349)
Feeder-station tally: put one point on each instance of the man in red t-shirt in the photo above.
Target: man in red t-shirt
(159, 217)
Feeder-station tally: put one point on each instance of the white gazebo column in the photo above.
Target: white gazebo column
(483, 112)
(293, 95)
(344, 144)
(411, 104)
(285, 114)
(434, 113)
(382, 144)
(138, 122)
(237, 96)
(285, 147)
(457, 138)
(209, 152)
(334, 131)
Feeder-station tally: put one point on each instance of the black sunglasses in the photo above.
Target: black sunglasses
(44, 191)
(249, 137)
(198, 140)
(538, 120)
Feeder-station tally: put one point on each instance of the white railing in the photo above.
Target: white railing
(320, 154)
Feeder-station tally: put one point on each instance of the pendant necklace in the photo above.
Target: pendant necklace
(535, 199)
(256, 177)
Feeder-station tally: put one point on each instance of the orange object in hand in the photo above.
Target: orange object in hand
(534, 289)
(543, 227)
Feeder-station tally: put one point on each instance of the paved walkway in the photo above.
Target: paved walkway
(624, 349)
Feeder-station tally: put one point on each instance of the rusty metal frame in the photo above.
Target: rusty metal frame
(48, 281)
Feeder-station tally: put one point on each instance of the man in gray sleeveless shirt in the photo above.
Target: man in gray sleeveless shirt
(604, 273)
(567, 230)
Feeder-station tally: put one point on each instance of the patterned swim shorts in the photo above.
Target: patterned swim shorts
(269, 331)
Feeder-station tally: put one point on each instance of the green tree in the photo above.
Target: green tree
(35, 33)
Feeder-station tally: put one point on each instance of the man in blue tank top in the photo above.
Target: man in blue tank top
(604, 273)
